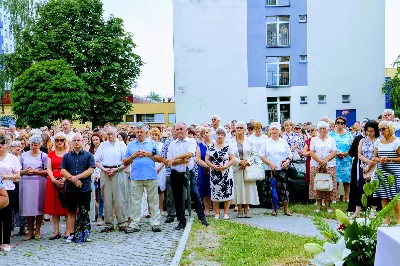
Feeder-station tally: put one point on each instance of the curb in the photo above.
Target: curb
(182, 243)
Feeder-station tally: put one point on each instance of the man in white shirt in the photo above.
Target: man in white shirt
(215, 120)
(67, 130)
(388, 115)
(109, 157)
(180, 155)
(13, 130)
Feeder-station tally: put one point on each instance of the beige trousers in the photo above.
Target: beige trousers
(114, 197)
(137, 189)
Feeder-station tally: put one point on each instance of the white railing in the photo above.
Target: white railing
(273, 40)
(278, 79)
(277, 2)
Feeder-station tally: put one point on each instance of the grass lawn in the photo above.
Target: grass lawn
(308, 209)
(230, 243)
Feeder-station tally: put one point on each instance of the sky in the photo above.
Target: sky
(151, 22)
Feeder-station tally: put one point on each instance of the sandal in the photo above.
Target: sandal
(247, 215)
(37, 237)
(54, 237)
(274, 213)
(29, 237)
(288, 213)
(107, 229)
(239, 216)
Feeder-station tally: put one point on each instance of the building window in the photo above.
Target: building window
(5, 33)
(278, 71)
(278, 31)
(302, 18)
(150, 118)
(321, 98)
(277, 2)
(345, 98)
(171, 118)
(278, 109)
(303, 59)
(1, 16)
(7, 47)
(303, 99)
(5, 19)
(130, 118)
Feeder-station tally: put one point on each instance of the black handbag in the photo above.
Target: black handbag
(61, 194)
(291, 172)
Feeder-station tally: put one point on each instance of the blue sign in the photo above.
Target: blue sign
(388, 104)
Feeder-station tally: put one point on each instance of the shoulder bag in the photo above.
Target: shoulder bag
(254, 172)
(323, 182)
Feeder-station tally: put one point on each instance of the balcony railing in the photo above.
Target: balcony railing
(277, 2)
(278, 79)
(273, 40)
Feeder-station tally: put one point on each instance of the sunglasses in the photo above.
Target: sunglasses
(340, 123)
(2, 143)
(383, 129)
(59, 140)
(239, 127)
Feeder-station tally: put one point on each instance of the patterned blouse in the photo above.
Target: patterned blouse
(367, 148)
(291, 139)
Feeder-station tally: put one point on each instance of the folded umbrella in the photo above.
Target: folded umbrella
(188, 175)
(274, 194)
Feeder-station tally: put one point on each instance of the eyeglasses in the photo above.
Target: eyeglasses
(59, 140)
(383, 129)
(239, 127)
(213, 119)
(3, 143)
(340, 123)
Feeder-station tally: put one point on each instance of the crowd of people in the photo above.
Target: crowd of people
(121, 173)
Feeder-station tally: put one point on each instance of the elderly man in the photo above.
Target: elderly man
(142, 154)
(13, 130)
(3, 196)
(109, 157)
(77, 166)
(184, 148)
(67, 130)
(388, 115)
(215, 120)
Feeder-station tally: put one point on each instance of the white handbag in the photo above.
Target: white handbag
(254, 172)
(323, 182)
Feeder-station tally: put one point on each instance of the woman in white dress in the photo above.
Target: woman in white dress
(245, 193)
(220, 158)
(155, 135)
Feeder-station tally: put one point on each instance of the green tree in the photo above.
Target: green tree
(98, 50)
(48, 91)
(394, 85)
(154, 96)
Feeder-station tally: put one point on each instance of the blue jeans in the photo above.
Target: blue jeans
(99, 199)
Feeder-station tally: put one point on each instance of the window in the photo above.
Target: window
(303, 99)
(345, 98)
(1, 16)
(278, 109)
(171, 118)
(278, 31)
(303, 59)
(5, 19)
(303, 18)
(6, 47)
(130, 118)
(6, 34)
(277, 2)
(321, 98)
(278, 71)
(150, 118)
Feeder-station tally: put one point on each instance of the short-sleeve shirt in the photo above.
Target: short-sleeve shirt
(142, 168)
(110, 154)
(276, 152)
(392, 146)
(8, 166)
(178, 147)
(75, 164)
(322, 149)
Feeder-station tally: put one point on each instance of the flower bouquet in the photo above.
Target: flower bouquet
(354, 242)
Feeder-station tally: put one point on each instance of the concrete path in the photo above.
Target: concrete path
(115, 248)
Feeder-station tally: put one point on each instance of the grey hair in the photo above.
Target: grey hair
(35, 131)
(216, 117)
(322, 124)
(113, 129)
(16, 143)
(181, 124)
(142, 126)
(388, 111)
(220, 131)
(36, 139)
(241, 123)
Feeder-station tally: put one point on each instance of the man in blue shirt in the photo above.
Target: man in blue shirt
(141, 154)
(77, 167)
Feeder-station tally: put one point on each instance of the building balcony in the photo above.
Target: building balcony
(277, 2)
(275, 79)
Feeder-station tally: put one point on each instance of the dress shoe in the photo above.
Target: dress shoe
(180, 226)
(204, 222)
(169, 219)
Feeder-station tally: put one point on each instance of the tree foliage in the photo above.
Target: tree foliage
(154, 96)
(394, 85)
(48, 91)
(99, 51)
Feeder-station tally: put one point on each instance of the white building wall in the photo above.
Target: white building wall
(346, 55)
(210, 47)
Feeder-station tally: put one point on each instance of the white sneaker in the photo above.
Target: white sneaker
(216, 216)
(70, 239)
(6, 249)
(226, 217)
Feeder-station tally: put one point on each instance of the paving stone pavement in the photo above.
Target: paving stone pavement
(296, 224)
(114, 248)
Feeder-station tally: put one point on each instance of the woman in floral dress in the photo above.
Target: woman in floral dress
(220, 159)
(292, 138)
(343, 140)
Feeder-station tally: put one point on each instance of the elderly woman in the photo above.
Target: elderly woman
(32, 188)
(220, 158)
(55, 204)
(343, 139)
(9, 172)
(387, 159)
(245, 193)
(204, 169)
(155, 135)
(323, 151)
(276, 154)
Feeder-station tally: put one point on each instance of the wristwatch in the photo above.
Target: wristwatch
(154, 152)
